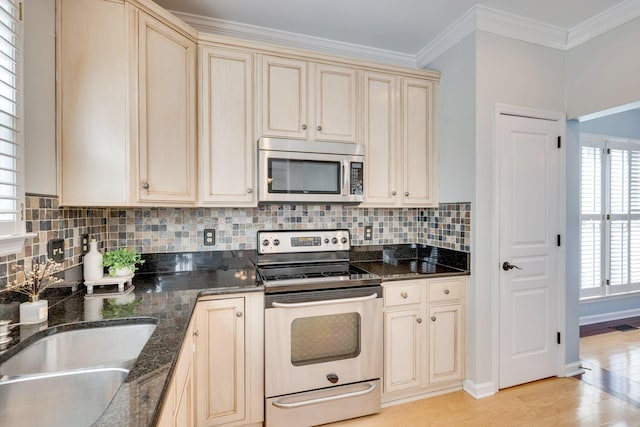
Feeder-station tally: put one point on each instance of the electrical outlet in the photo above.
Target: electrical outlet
(209, 237)
(368, 232)
(84, 244)
(56, 249)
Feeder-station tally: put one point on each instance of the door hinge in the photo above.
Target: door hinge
(608, 150)
(21, 211)
(558, 338)
(559, 142)
(559, 241)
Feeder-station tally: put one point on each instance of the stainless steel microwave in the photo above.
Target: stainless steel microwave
(298, 171)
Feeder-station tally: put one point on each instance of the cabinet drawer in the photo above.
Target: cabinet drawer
(405, 294)
(446, 290)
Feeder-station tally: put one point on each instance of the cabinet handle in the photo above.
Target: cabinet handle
(238, 314)
(393, 193)
(304, 127)
(249, 190)
(196, 333)
(145, 185)
(406, 194)
(319, 128)
(419, 320)
(403, 294)
(446, 291)
(433, 318)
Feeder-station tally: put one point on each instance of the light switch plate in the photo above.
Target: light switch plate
(209, 237)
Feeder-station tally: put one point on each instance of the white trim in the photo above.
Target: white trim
(606, 317)
(295, 40)
(454, 34)
(609, 19)
(573, 369)
(479, 391)
(12, 244)
(613, 110)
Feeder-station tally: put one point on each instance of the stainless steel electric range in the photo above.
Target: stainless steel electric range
(323, 329)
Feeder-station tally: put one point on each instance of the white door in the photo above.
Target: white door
(529, 224)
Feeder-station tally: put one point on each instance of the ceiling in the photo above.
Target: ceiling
(404, 26)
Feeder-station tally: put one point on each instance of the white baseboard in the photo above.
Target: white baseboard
(605, 317)
(479, 391)
(573, 368)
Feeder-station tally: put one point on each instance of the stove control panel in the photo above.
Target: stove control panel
(277, 241)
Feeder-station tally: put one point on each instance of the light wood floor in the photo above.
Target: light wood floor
(550, 402)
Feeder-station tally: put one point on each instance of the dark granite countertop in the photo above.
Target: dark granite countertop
(166, 298)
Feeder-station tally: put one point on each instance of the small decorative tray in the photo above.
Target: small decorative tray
(121, 281)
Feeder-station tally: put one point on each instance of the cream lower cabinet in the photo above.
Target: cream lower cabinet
(227, 146)
(229, 360)
(424, 341)
(400, 140)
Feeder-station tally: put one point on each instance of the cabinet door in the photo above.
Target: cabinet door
(336, 103)
(227, 144)
(220, 361)
(404, 355)
(382, 169)
(167, 117)
(445, 343)
(419, 145)
(284, 98)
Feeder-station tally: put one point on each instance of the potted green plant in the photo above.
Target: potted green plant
(122, 262)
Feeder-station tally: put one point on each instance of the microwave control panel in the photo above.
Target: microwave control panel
(356, 179)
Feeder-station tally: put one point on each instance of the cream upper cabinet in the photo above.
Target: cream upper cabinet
(229, 360)
(166, 113)
(125, 105)
(401, 163)
(424, 337)
(420, 154)
(306, 100)
(226, 138)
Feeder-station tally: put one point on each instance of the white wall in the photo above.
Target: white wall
(516, 73)
(39, 96)
(457, 120)
(603, 72)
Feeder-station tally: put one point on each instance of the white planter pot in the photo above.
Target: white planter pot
(119, 272)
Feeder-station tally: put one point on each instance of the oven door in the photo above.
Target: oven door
(321, 339)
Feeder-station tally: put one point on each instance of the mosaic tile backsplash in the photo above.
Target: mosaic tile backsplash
(153, 230)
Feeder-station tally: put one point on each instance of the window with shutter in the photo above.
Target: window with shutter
(12, 233)
(609, 215)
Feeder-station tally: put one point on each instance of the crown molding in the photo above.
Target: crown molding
(453, 35)
(603, 22)
(295, 40)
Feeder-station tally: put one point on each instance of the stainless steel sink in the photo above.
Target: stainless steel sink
(109, 346)
(64, 399)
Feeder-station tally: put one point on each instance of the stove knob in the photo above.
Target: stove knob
(265, 242)
(334, 240)
(343, 240)
(326, 241)
(276, 242)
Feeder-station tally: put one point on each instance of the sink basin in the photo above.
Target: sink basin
(65, 399)
(113, 346)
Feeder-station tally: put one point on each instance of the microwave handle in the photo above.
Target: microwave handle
(345, 177)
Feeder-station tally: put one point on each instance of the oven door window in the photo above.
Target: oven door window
(303, 176)
(322, 339)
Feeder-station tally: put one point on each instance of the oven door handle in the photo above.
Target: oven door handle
(324, 302)
(280, 404)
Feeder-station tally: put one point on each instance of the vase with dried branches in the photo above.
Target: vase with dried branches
(32, 282)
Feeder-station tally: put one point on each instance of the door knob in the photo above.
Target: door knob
(506, 266)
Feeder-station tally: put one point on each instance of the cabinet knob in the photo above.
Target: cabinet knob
(406, 194)
(433, 318)
(196, 333)
(446, 291)
(393, 193)
(403, 294)
(249, 190)
(238, 314)
(145, 185)
(304, 127)
(319, 128)
(419, 320)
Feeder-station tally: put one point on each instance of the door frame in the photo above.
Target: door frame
(505, 109)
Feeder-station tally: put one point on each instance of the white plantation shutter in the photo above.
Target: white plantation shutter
(609, 215)
(10, 109)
